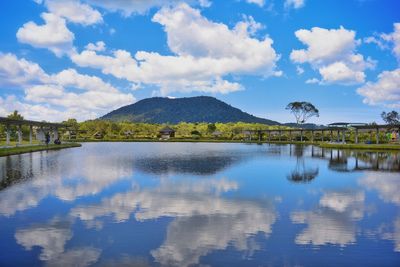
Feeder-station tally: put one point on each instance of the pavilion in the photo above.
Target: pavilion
(41, 129)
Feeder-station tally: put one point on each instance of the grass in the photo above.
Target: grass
(27, 149)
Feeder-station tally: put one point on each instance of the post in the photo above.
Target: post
(338, 136)
(344, 136)
(7, 135)
(301, 135)
(30, 134)
(331, 136)
(56, 133)
(377, 135)
(290, 135)
(19, 135)
(269, 136)
(312, 136)
(356, 136)
(322, 137)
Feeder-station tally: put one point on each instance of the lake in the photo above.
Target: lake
(192, 204)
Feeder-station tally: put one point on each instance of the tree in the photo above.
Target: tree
(302, 111)
(211, 128)
(391, 117)
(15, 116)
(71, 123)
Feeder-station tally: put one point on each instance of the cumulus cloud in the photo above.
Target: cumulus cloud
(74, 11)
(333, 53)
(98, 46)
(296, 4)
(385, 91)
(199, 63)
(388, 40)
(58, 96)
(53, 34)
(129, 7)
(19, 72)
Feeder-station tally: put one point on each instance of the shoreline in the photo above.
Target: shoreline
(9, 151)
(76, 143)
(360, 146)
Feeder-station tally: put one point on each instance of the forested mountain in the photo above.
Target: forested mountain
(188, 109)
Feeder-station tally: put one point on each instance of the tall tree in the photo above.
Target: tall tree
(391, 117)
(302, 111)
(15, 116)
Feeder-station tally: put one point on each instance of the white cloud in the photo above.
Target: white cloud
(296, 4)
(98, 46)
(385, 91)
(199, 63)
(333, 54)
(58, 96)
(53, 35)
(341, 73)
(312, 81)
(387, 40)
(129, 7)
(19, 72)
(299, 70)
(74, 11)
(260, 3)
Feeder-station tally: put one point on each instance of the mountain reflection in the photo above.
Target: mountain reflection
(199, 165)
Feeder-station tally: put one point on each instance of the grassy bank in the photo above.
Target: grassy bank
(28, 149)
(362, 146)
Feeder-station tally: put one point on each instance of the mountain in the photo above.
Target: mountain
(188, 109)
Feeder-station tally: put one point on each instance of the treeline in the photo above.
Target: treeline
(101, 129)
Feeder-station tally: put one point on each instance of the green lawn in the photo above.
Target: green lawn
(27, 149)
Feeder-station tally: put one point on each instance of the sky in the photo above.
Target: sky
(81, 59)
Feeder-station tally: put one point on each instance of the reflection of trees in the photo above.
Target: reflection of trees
(363, 160)
(302, 173)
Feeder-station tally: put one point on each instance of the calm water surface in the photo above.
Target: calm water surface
(187, 204)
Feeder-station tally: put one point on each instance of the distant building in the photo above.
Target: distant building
(217, 134)
(98, 135)
(167, 132)
(346, 124)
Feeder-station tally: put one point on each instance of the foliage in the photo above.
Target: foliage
(391, 117)
(302, 111)
(129, 130)
(15, 116)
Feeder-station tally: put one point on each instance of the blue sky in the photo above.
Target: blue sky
(80, 59)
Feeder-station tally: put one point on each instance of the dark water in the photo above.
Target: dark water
(183, 204)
